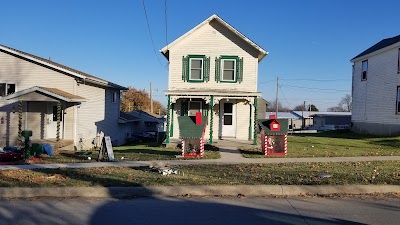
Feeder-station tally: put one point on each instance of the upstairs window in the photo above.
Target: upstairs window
(229, 69)
(398, 61)
(195, 68)
(364, 70)
(398, 100)
(6, 89)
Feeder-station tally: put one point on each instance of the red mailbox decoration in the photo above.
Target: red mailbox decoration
(274, 125)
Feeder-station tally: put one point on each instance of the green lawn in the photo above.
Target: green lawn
(142, 152)
(334, 143)
(250, 174)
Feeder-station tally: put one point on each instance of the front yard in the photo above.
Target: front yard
(334, 144)
(142, 152)
(251, 174)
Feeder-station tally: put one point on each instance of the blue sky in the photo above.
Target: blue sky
(310, 42)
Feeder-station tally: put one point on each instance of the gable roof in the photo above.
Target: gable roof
(59, 67)
(380, 45)
(261, 52)
(51, 92)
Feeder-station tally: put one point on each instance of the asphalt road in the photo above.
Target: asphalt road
(177, 211)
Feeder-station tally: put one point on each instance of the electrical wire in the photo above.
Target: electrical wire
(284, 97)
(320, 89)
(151, 36)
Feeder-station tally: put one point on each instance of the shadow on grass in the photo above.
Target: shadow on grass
(146, 151)
(344, 134)
(394, 143)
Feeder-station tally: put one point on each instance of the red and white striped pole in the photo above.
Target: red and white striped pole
(183, 147)
(285, 148)
(202, 146)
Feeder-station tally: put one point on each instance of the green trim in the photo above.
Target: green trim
(255, 122)
(224, 57)
(250, 123)
(168, 115)
(189, 57)
(172, 119)
(211, 118)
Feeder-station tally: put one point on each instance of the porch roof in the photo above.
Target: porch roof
(37, 93)
(214, 92)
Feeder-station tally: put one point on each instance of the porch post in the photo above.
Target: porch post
(19, 118)
(172, 120)
(250, 121)
(168, 115)
(211, 118)
(58, 121)
(255, 122)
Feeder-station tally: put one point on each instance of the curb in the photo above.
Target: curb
(176, 191)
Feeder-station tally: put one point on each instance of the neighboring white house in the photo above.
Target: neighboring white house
(55, 101)
(213, 69)
(376, 89)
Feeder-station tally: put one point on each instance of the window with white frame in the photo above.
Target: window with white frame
(7, 89)
(398, 100)
(194, 107)
(228, 70)
(364, 69)
(196, 69)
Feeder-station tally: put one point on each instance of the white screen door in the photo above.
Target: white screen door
(228, 119)
(52, 121)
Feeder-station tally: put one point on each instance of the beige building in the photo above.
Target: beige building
(213, 69)
(55, 102)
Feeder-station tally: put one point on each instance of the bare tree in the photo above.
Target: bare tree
(343, 106)
(272, 107)
(346, 103)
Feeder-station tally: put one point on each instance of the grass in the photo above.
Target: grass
(142, 152)
(250, 174)
(333, 144)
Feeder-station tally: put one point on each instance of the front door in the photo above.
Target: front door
(228, 118)
(52, 121)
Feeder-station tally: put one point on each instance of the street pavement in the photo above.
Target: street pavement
(177, 211)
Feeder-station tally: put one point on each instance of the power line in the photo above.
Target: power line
(316, 80)
(320, 89)
(284, 97)
(151, 36)
(166, 23)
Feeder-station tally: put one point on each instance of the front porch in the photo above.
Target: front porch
(229, 115)
(48, 113)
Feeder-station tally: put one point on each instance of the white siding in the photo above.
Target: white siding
(98, 115)
(374, 100)
(213, 41)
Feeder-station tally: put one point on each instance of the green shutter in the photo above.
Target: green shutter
(185, 68)
(239, 69)
(204, 109)
(217, 69)
(206, 69)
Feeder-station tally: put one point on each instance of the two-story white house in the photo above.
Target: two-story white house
(213, 69)
(56, 102)
(376, 89)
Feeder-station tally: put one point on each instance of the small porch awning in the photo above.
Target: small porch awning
(47, 94)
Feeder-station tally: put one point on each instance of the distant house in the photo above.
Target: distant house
(331, 120)
(305, 117)
(213, 69)
(294, 121)
(143, 121)
(376, 89)
(55, 102)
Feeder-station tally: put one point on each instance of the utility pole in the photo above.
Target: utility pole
(151, 99)
(302, 115)
(276, 97)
